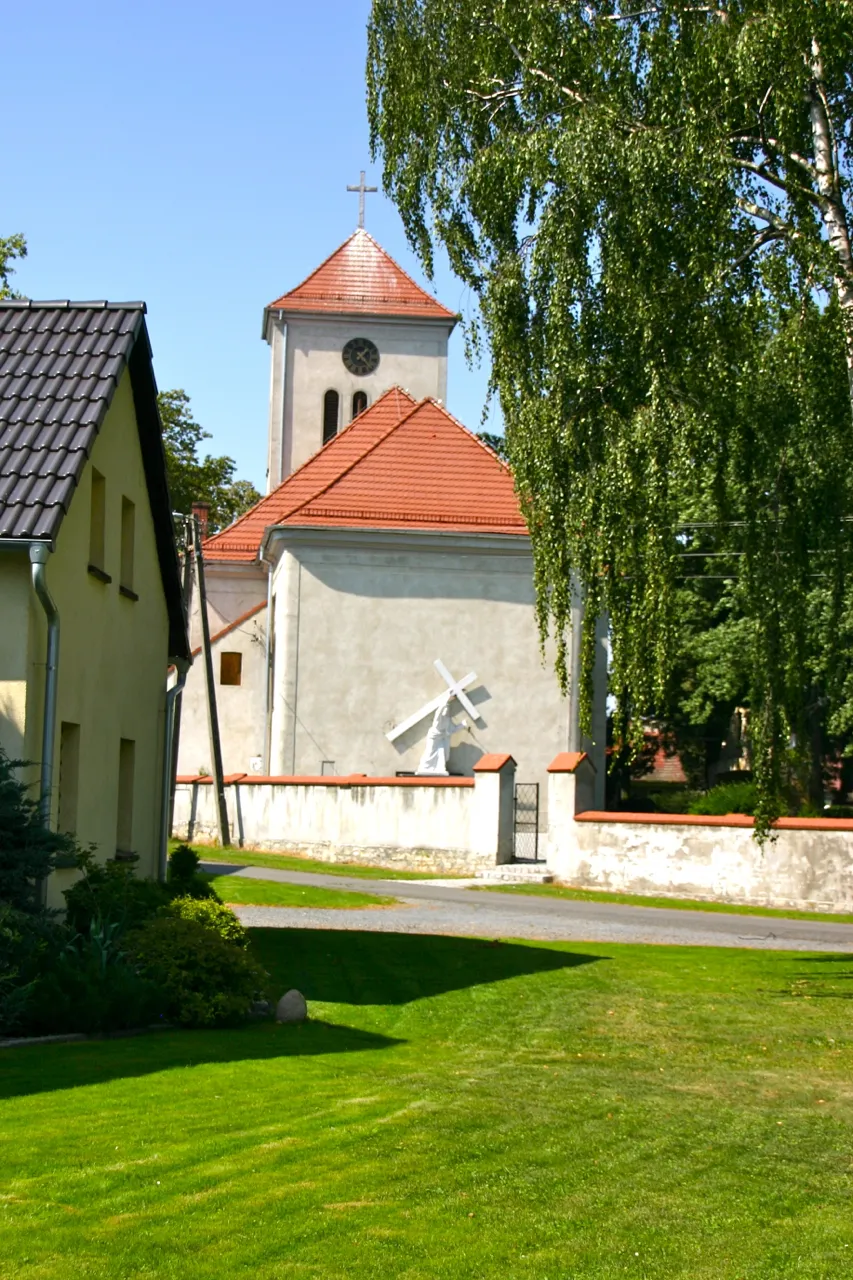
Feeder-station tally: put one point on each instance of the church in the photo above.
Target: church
(387, 574)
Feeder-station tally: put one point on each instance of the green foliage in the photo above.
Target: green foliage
(111, 894)
(641, 198)
(729, 797)
(91, 986)
(27, 848)
(11, 247)
(205, 980)
(183, 863)
(211, 913)
(674, 801)
(27, 942)
(192, 479)
(184, 878)
(53, 980)
(496, 443)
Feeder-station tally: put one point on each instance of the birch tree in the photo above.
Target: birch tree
(650, 201)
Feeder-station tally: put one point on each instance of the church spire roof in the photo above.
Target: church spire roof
(360, 278)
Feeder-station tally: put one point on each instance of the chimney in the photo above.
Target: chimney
(201, 511)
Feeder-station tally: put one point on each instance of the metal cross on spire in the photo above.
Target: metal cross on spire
(362, 191)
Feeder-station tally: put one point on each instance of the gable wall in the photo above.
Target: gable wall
(357, 632)
(113, 650)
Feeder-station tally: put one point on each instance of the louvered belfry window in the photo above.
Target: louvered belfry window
(331, 401)
(359, 403)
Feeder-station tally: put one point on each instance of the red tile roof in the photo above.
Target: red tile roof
(399, 465)
(361, 278)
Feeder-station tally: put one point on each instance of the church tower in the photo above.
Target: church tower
(355, 327)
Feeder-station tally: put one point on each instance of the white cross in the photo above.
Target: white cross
(456, 688)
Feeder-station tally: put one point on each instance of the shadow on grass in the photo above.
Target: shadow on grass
(48, 1067)
(812, 984)
(344, 966)
(335, 966)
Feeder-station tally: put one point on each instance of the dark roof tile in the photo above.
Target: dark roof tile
(60, 364)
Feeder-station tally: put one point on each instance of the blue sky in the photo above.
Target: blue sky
(196, 156)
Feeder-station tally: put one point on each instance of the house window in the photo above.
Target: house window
(69, 776)
(97, 525)
(331, 401)
(359, 403)
(124, 816)
(231, 668)
(128, 533)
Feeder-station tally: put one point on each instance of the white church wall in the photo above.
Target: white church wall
(232, 590)
(809, 866)
(441, 825)
(360, 620)
(413, 355)
(242, 708)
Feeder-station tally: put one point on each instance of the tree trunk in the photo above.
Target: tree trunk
(832, 206)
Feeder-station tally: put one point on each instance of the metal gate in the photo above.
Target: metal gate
(525, 822)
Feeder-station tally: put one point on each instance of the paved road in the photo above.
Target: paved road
(431, 907)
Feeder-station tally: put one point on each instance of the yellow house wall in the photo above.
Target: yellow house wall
(113, 651)
(14, 651)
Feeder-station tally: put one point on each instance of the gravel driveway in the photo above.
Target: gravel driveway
(434, 907)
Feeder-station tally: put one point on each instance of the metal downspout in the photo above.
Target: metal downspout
(268, 657)
(166, 777)
(39, 553)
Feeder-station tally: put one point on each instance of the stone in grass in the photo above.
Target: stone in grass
(291, 1007)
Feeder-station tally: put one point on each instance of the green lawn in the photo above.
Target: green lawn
(639, 900)
(294, 862)
(455, 1108)
(245, 892)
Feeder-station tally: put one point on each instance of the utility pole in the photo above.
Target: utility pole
(212, 717)
(187, 594)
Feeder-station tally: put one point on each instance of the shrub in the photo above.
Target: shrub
(111, 893)
(675, 801)
(184, 878)
(54, 981)
(27, 848)
(29, 943)
(731, 797)
(206, 981)
(838, 811)
(211, 913)
(91, 986)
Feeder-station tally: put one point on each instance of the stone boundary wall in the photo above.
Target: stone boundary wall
(808, 866)
(456, 825)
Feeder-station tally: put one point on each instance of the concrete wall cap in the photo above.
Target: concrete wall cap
(709, 820)
(328, 780)
(568, 762)
(493, 762)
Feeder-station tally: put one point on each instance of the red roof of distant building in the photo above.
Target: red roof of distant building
(399, 465)
(362, 279)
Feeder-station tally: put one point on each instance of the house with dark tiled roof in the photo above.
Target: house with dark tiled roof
(90, 598)
(390, 567)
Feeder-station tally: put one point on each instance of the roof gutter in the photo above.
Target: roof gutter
(39, 552)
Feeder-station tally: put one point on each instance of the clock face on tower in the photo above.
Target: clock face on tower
(360, 356)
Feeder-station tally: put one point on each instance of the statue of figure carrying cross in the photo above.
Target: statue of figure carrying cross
(362, 191)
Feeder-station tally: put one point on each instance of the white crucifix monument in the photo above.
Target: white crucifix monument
(434, 759)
